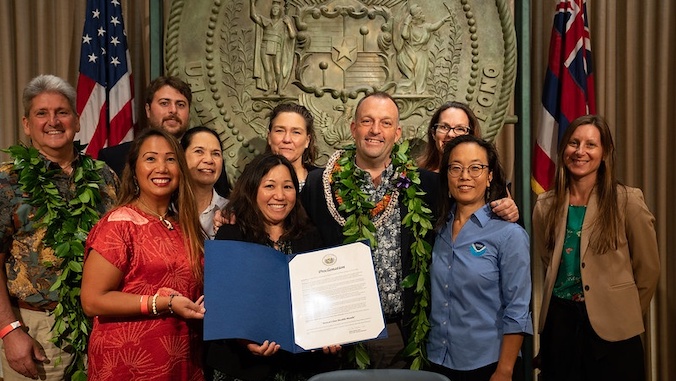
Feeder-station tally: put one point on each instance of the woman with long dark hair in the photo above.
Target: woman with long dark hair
(143, 271)
(453, 119)
(267, 211)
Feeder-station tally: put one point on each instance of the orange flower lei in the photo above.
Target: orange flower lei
(380, 205)
(342, 184)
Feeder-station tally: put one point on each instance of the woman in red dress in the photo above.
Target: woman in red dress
(142, 276)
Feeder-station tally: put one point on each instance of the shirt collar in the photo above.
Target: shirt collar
(386, 175)
(51, 165)
(217, 202)
(481, 216)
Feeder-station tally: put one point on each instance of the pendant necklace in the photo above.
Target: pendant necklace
(161, 217)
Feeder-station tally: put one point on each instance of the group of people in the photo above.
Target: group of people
(452, 221)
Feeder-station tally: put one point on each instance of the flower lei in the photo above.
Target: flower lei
(67, 225)
(344, 181)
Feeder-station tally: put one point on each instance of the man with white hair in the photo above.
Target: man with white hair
(50, 196)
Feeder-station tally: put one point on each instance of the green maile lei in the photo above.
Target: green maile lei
(344, 181)
(67, 225)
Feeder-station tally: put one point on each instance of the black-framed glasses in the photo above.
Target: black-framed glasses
(444, 129)
(474, 170)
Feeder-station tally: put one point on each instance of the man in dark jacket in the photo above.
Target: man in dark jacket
(167, 107)
(376, 130)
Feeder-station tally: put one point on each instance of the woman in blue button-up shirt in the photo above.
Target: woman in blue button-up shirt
(480, 274)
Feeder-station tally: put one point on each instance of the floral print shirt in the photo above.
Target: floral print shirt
(31, 266)
(387, 256)
(569, 279)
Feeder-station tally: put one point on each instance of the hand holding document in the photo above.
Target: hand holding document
(302, 302)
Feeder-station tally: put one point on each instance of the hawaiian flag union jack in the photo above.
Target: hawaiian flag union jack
(568, 90)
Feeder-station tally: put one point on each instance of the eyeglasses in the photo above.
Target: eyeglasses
(444, 129)
(474, 170)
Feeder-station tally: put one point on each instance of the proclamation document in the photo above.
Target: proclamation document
(302, 302)
(334, 297)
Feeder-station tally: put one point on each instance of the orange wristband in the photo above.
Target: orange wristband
(9, 328)
(144, 304)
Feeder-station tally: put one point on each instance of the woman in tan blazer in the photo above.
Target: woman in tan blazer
(597, 240)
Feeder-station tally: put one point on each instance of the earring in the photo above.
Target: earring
(136, 188)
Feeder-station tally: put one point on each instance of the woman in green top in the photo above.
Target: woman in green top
(596, 238)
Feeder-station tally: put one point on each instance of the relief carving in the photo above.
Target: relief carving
(412, 49)
(275, 45)
(243, 57)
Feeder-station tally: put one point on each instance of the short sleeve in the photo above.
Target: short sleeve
(7, 205)
(110, 237)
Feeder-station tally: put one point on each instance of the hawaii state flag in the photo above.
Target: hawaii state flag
(105, 91)
(568, 90)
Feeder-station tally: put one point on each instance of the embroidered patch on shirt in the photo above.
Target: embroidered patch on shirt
(478, 249)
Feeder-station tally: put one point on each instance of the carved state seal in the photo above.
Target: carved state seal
(243, 57)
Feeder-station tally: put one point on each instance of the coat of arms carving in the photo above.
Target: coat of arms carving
(243, 57)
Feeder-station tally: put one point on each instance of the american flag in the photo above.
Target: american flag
(105, 90)
(569, 87)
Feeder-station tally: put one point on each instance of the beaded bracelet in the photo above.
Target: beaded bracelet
(171, 310)
(155, 304)
(144, 304)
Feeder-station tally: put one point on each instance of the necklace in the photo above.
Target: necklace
(162, 217)
(344, 181)
(280, 245)
(340, 163)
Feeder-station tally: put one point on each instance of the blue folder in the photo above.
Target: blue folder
(247, 294)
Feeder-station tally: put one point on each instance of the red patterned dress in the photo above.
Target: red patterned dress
(150, 256)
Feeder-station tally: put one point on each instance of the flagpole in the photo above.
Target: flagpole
(522, 106)
(156, 42)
